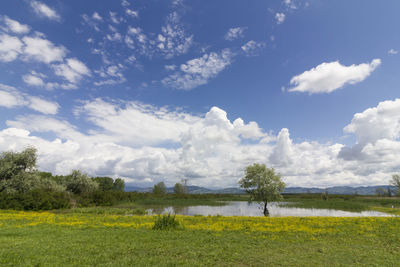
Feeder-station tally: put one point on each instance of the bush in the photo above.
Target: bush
(166, 222)
(35, 200)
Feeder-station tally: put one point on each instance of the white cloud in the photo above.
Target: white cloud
(72, 71)
(200, 70)
(253, 48)
(10, 47)
(125, 3)
(170, 67)
(392, 52)
(328, 77)
(43, 106)
(96, 16)
(146, 144)
(132, 13)
(289, 4)
(43, 50)
(43, 10)
(112, 74)
(235, 33)
(10, 97)
(280, 18)
(173, 40)
(33, 80)
(380, 122)
(15, 26)
(114, 18)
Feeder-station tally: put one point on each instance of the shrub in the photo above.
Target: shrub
(166, 222)
(35, 200)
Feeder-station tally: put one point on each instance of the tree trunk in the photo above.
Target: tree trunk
(266, 212)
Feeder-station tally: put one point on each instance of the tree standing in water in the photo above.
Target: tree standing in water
(262, 184)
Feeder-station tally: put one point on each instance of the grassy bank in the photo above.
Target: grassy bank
(49, 239)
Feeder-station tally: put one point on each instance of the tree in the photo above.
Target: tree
(396, 182)
(263, 184)
(160, 189)
(119, 185)
(79, 183)
(105, 183)
(18, 171)
(179, 189)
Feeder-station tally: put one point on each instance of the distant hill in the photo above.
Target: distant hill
(340, 190)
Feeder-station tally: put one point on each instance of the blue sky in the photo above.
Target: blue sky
(165, 90)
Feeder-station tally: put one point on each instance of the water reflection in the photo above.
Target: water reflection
(241, 208)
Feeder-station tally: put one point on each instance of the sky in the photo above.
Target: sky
(165, 90)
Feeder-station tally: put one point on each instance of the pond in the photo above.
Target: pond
(242, 208)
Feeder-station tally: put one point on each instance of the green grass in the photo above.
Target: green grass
(50, 245)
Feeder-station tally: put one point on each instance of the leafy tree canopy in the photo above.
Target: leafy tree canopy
(262, 184)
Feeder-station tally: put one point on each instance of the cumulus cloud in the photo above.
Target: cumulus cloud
(10, 47)
(328, 77)
(42, 10)
(235, 33)
(10, 97)
(199, 71)
(15, 27)
(42, 50)
(377, 131)
(145, 144)
(280, 18)
(392, 52)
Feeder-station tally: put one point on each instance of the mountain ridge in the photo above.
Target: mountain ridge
(340, 190)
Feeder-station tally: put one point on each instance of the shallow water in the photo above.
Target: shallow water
(241, 208)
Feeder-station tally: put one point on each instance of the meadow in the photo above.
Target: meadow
(86, 238)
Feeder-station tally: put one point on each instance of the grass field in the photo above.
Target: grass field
(87, 239)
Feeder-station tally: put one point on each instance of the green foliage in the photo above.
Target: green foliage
(119, 185)
(35, 200)
(160, 189)
(396, 182)
(105, 183)
(13, 163)
(166, 222)
(79, 183)
(180, 189)
(263, 184)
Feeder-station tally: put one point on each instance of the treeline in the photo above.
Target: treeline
(22, 186)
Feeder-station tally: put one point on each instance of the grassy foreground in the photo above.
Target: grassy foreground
(59, 239)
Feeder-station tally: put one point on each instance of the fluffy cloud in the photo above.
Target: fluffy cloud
(146, 144)
(15, 27)
(33, 80)
(43, 50)
(377, 130)
(380, 122)
(235, 33)
(199, 71)
(328, 77)
(393, 52)
(42, 10)
(73, 70)
(10, 48)
(10, 97)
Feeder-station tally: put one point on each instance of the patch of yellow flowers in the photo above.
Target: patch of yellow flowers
(312, 225)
